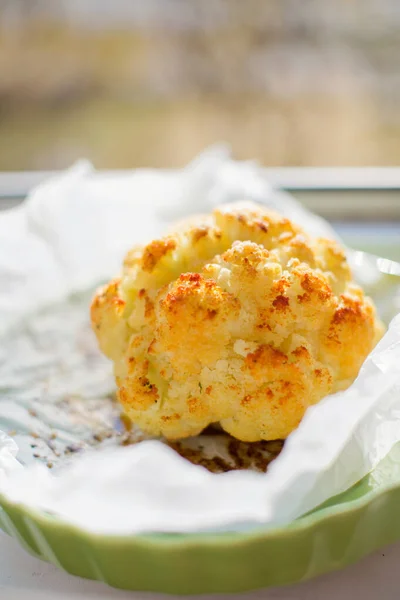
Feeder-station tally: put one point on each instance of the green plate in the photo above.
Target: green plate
(335, 535)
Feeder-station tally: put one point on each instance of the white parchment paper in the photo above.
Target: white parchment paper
(70, 235)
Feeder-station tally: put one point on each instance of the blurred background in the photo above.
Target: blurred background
(132, 83)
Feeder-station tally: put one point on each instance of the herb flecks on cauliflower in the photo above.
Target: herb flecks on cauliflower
(240, 318)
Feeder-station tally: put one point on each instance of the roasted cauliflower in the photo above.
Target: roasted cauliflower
(240, 319)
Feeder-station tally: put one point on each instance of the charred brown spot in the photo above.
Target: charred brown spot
(266, 355)
(333, 336)
(136, 341)
(301, 352)
(199, 233)
(280, 285)
(307, 283)
(118, 303)
(209, 389)
(313, 285)
(264, 325)
(191, 278)
(276, 357)
(194, 405)
(281, 303)
(167, 418)
(347, 314)
(154, 252)
(142, 293)
(286, 392)
(246, 400)
(144, 382)
(173, 301)
(303, 298)
(286, 385)
(149, 308)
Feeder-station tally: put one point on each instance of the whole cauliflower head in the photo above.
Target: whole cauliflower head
(238, 318)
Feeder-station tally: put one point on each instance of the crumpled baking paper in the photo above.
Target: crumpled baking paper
(71, 234)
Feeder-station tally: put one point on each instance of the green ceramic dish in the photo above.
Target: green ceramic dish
(337, 534)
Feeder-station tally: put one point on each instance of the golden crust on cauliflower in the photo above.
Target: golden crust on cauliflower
(238, 318)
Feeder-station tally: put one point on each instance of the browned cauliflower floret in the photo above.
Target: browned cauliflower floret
(239, 319)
